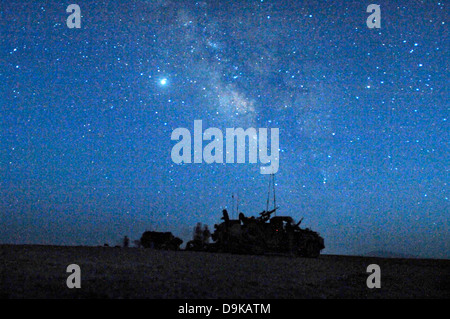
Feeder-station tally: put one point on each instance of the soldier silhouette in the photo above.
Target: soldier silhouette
(206, 234)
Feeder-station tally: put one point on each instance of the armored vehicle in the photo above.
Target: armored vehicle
(265, 234)
(160, 240)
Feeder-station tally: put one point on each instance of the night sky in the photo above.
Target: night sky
(86, 117)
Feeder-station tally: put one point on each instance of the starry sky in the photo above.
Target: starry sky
(86, 117)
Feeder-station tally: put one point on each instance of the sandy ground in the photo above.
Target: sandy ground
(40, 272)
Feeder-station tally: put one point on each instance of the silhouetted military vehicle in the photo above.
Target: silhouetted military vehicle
(265, 234)
(160, 240)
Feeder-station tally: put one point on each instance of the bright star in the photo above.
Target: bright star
(163, 81)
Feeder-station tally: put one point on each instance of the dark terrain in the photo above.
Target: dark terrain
(40, 272)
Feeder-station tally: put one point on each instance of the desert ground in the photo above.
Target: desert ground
(106, 272)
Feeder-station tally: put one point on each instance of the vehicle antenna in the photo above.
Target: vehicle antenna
(268, 196)
(232, 206)
(237, 204)
(274, 197)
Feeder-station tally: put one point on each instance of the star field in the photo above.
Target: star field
(86, 117)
